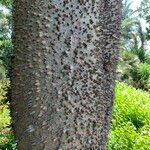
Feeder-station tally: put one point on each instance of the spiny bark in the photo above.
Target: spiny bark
(64, 68)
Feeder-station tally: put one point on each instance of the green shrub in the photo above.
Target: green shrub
(130, 129)
(128, 61)
(4, 85)
(141, 54)
(141, 76)
(147, 60)
(132, 72)
(6, 135)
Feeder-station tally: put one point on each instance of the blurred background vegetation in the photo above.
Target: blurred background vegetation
(130, 128)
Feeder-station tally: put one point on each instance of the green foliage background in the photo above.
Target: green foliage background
(130, 128)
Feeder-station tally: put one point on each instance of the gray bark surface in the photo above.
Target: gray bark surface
(64, 69)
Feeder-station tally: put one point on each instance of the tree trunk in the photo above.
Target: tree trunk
(64, 69)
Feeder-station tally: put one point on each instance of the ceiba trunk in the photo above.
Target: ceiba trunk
(64, 68)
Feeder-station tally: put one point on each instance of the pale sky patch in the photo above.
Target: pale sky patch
(135, 4)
